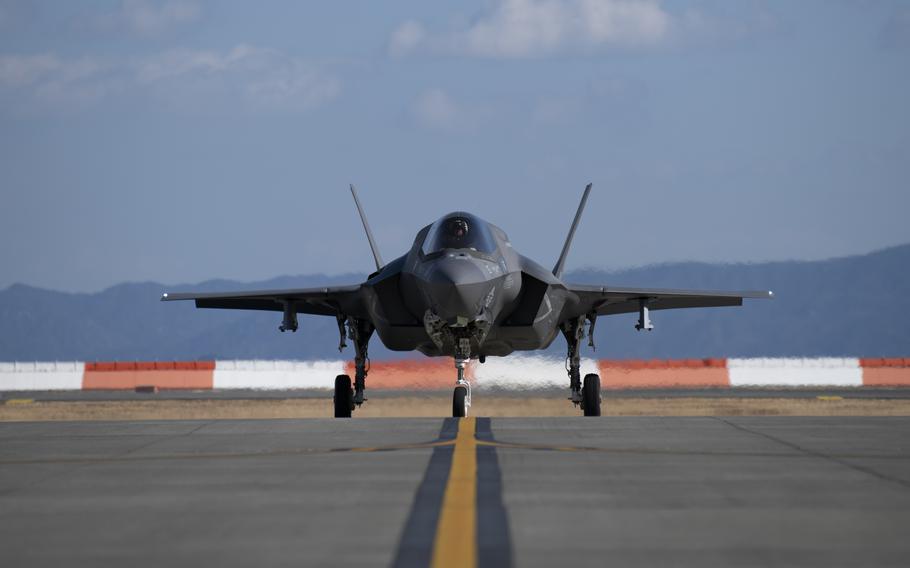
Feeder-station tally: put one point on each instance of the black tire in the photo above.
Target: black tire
(459, 409)
(590, 395)
(344, 396)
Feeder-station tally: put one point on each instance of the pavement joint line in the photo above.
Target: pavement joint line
(127, 457)
(158, 439)
(829, 457)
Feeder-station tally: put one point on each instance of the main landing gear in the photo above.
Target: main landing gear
(587, 394)
(346, 399)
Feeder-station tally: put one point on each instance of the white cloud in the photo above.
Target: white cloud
(24, 70)
(525, 28)
(258, 78)
(436, 110)
(50, 79)
(149, 18)
(265, 78)
(406, 37)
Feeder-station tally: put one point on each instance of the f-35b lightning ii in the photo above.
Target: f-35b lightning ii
(462, 291)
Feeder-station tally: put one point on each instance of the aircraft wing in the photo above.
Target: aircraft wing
(609, 300)
(327, 300)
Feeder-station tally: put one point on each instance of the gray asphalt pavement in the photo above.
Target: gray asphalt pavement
(630, 491)
(250, 394)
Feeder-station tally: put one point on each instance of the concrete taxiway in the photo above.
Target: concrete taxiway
(876, 393)
(624, 491)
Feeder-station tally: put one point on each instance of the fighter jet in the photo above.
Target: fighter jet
(462, 291)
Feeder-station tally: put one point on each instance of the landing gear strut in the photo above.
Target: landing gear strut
(461, 398)
(586, 395)
(346, 399)
(360, 332)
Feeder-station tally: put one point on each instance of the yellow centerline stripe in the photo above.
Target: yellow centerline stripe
(455, 544)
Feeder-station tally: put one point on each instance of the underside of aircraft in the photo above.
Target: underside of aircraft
(462, 291)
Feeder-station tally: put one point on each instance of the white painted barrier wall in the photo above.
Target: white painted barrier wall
(60, 375)
(526, 372)
(824, 371)
(276, 374)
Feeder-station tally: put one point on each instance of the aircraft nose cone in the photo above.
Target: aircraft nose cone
(457, 288)
(456, 272)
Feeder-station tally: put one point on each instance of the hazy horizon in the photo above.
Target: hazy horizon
(359, 274)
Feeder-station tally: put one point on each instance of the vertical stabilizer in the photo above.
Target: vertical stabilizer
(366, 227)
(560, 264)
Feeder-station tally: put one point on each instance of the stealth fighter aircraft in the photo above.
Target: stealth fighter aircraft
(462, 291)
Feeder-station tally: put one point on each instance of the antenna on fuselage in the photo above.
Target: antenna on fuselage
(560, 264)
(366, 227)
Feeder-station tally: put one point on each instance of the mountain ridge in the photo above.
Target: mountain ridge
(846, 306)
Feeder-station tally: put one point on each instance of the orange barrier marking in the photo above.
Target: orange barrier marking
(421, 374)
(663, 374)
(127, 375)
(873, 362)
(886, 376)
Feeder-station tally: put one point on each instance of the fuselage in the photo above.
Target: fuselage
(462, 281)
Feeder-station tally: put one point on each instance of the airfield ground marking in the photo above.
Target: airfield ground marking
(455, 543)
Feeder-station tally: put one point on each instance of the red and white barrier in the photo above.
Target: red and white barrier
(517, 372)
(172, 375)
(892, 372)
(41, 376)
(679, 373)
(524, 372)
(823, 371)
(276, 375)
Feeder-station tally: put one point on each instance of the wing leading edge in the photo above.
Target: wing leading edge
(609, 300)
(325, 301)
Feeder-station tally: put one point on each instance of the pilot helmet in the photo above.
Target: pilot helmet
(458, 227)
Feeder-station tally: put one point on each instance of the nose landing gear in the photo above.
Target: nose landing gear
(461, 398)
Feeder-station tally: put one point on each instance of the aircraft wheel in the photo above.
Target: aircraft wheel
(591, 395)
(344, 396)
(458, 402)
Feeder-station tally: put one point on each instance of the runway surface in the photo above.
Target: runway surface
(748, 491)
(879, 393)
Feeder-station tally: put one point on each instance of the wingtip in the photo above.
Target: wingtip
(164, 297)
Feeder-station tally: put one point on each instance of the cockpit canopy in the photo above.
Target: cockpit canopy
(459, 231)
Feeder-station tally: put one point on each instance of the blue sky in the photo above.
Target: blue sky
(178, 141)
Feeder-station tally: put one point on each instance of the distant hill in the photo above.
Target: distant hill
(852, 306)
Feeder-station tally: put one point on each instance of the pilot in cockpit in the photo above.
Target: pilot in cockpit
(458, 228)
